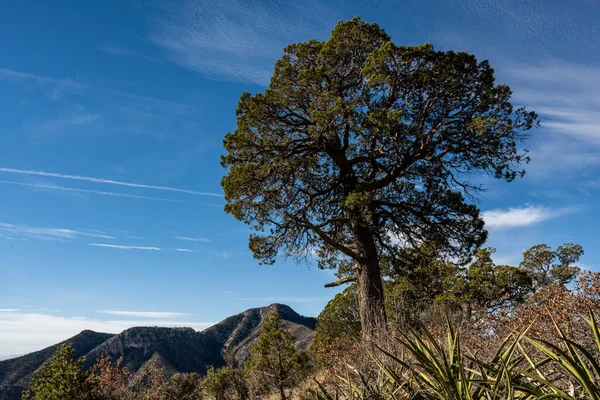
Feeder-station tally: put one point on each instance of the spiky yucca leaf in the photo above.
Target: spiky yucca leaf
(428, 370)
(576, 362)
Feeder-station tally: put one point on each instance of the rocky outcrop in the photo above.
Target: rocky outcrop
(239, 333)
(172, 349)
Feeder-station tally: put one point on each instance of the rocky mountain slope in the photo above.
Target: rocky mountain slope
(177, 349)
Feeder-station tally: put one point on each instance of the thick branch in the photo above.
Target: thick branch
(327, 239)
(342, 281)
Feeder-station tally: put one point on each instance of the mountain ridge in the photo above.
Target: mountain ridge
(180, 349)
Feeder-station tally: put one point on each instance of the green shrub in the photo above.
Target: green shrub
(62, 378)
(225, 383)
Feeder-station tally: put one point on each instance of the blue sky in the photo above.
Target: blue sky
(112, 115)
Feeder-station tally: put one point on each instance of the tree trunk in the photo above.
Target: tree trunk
(370, 289)
(370, 300)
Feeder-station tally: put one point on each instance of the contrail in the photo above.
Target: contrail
(116, 246)
(69, 189)
(105, 181)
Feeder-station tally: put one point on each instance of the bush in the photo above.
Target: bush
(182, 387)
(225, 383)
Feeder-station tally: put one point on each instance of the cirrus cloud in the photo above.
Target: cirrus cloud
(117, 246)
(193, 239)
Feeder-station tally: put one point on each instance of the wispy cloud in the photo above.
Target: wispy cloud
(86, 89)
(235, 40)
(117, 50)
(143, 314)
(511, 29)
(114, 49)
(521, 216)
(123, 247)
(567, 96)
(82, 109)
(119, 230)
(70, 118)
(99, 192)
(12, 75)
(185, 250)
(2, 310)
(192, 239)
(105, 181)
(50, 233)
(24, 332)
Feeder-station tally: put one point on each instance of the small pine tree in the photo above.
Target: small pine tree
(274, 361)
(182, 387)
(62, 378)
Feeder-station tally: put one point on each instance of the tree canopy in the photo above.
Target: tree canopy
(62, 378)
(548, 266)
(360, 147)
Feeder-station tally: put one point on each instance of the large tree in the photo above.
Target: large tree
(360, 147)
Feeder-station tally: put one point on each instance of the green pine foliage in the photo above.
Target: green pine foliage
(227, 383)
(60, 379)
(182, 387)
(275, 364)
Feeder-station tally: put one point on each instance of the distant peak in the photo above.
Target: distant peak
(282, 308)
(157, 330)
(87, 332)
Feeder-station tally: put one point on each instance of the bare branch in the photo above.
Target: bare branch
(342, 281)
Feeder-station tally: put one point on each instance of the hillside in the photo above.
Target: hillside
(17, 371)
(177, 349)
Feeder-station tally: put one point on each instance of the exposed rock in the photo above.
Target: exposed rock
(170, 349)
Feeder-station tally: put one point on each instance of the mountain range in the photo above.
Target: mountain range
(174, 349)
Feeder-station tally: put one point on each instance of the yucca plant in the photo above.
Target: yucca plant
(428, 370)
(437, 372)
(577, 364)
(450, 373)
